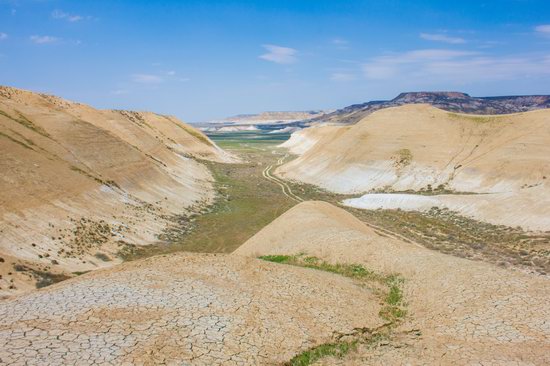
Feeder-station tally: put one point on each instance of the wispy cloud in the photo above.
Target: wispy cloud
(455, 66)
(340, 43)
(43, 39)
(543, 30)
(3, 36)
(59, 14)
(342, 76)
(279, 54)
(438, 37)
(147, 79)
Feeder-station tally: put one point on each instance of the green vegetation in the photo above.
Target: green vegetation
(393, 298)
(355, 271)
(245, 203)
(309, 357)
(388, 287)
(277, 258)
(248, 141)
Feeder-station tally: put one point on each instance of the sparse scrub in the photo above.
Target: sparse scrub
(449, 232)
(42, 278)
(403, 158)
(102, 256)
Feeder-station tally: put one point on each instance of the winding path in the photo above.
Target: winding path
(266, 173)
(286, 189)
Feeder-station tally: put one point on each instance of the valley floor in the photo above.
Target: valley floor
(251, 196)
(402, 289)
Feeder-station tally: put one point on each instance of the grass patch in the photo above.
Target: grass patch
(276, 258)
(309, 357)
(388, 287)
(354, 271)
(247, 141)
(245, 203)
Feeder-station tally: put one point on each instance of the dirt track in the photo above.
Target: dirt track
(284, 186)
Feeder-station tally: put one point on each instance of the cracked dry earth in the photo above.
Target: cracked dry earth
(183, 309)
(464, 312)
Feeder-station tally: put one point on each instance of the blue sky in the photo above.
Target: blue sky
(202, 60)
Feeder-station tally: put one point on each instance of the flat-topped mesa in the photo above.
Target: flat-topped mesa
(79, 185)
(447, 100)
(421, 97)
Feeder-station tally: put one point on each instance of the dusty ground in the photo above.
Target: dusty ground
(466, 312)
(183, 309)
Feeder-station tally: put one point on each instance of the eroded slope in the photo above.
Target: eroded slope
(79, 185)
(421, 148)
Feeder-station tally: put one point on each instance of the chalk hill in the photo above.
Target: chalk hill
(79, 184)
(422, 148)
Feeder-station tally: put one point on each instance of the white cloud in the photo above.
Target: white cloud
(43, 39)
(59, 14)
(3, 36)
(458, 67)
(342, 76)
(442, 38)
(543, 29)
(147, 79)
(279, 55)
